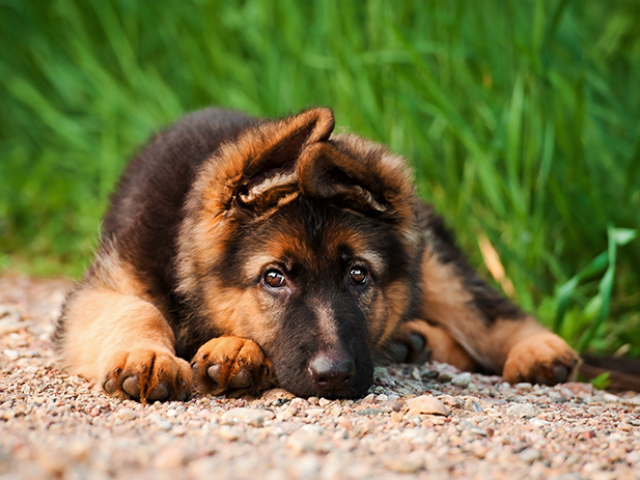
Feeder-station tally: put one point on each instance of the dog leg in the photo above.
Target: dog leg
(493, 331)
(232, 365)
(417, 342)
(122, 343)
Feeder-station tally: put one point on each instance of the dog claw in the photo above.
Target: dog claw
(214, 372)
(417, 341)
(182, 396)
(242, 379)
(110, 386)
(560, 373)
(131, 385)
(399, 352)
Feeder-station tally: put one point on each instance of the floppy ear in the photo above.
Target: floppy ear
(359, 175)
(267, 156)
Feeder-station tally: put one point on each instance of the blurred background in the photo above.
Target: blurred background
(520, 118)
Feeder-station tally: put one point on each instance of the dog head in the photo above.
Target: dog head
(304, 243)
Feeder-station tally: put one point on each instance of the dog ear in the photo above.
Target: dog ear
(270, 153)
(359, 175)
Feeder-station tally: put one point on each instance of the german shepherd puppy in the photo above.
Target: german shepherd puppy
(240, 254)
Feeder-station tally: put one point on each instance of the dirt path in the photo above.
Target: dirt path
(54, 426)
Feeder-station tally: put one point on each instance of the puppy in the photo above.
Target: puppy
(241, 253)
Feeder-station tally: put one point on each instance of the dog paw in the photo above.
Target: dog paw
(409, 345)
(148, 376)
(232, 365)
(543, 358)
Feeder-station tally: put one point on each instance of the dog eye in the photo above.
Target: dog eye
(358, 275)
(274, 278)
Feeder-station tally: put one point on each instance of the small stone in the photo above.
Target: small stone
(405, 463)
(253, 417)
(231, 434)
(520, 410)
(304, 441)
(461, 380)
(323, 402)
(445, 376)
(538, 422)
(369, 411)
(396, 417)
(577, 387)
(609, 397)
(314, 412)
(170, 457)
(633, 458)
(164, 424)
(277, 393)
(530, 455)
(12, 354)
(427, 405)
(382, 377)
(371, 398)
(524, 386)
(306, 467)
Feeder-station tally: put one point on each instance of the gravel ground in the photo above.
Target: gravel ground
(425, 422)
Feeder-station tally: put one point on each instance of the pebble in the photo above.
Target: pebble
(250, 416)
(12, 354)
(461, 380)
(54, 425)
(404, 464)
(526, 410)
(427, 405)
(126, 414)
(524, 386)
(308, 440)
(315, 412)
(445, 376)
(530, 455)
(230, 433)
(609, 397)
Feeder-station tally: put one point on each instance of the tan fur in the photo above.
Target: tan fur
(116, 326)
(232, 356)
(237, 313)
(538, 357)
(110, 332)
(388, 319)
(449, 305)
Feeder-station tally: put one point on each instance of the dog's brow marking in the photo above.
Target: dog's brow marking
(373, 259)
(256, 263)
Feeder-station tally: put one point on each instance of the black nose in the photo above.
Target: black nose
(332, 372)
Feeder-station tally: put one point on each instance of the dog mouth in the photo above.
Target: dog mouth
(330, 374)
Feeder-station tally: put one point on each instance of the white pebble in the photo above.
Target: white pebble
(461, 380)
(530, 455)
(251, 416)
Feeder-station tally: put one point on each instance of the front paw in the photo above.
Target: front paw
(148, 375)
(232, 365)
(543, 358)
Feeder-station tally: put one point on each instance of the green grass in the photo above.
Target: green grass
(520, 118)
